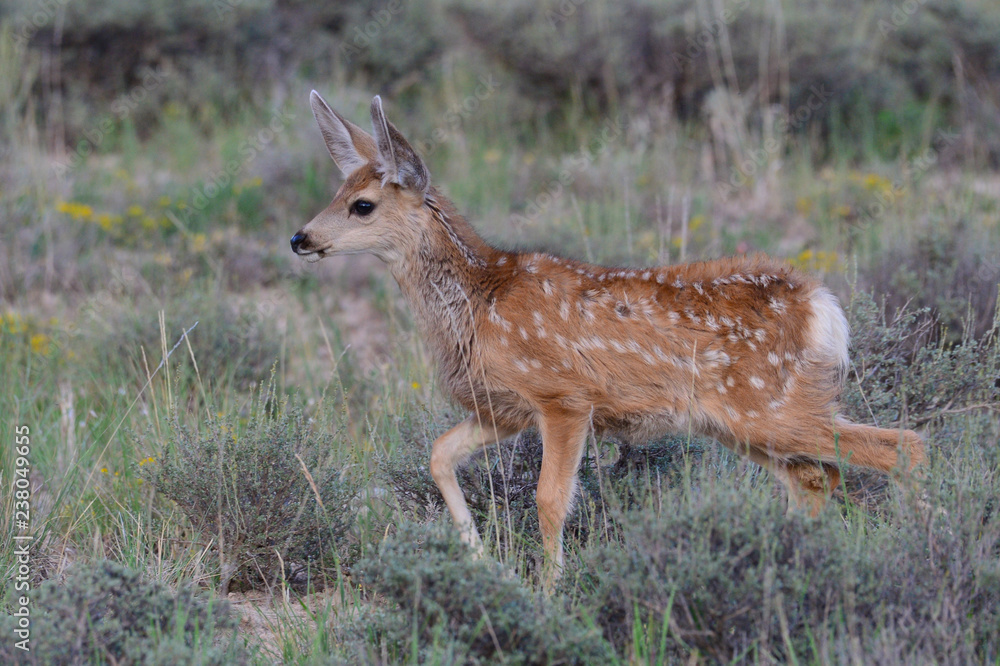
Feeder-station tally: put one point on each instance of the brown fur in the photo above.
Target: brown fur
(746, 350)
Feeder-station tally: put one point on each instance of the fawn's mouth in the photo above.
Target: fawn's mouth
(313, 256)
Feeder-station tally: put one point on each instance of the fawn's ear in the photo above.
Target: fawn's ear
(397, 160)
(349, 145)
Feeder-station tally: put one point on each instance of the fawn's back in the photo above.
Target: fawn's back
(729, 345)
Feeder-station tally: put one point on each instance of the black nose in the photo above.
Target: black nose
(297, 241)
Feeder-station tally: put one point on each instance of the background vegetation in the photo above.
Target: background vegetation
(229, 448)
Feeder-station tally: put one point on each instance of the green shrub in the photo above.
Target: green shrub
(233, 343)
(268, 493)
(904, 375)
(446, 607)
(104, 613)
(717, 574)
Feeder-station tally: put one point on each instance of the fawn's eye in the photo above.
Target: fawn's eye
(362, 207)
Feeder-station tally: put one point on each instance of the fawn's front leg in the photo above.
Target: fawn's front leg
(563, 438)
(451, 450)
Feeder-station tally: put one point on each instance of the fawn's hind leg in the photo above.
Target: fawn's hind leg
(877, 448)
(809, 484)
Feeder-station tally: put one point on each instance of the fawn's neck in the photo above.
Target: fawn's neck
(448, 281)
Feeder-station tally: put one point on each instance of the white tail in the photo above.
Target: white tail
(746, 350)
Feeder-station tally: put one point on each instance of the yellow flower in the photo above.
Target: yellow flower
(148, 222)
(104, 470)
(696, 222)
(842, 211)
(164, 201)
(105, 221)
(256, 182)
(40, 344)
(804, 205)
(198, 242)
(77, 211)
(415, 386)
(135, 210)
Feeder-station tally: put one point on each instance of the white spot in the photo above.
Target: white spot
(731, 413)
(634, 347)
(537, 317)
(775, 405)
(720, 388)
(564, 310)
(752, 414)
(711, 323)
(760, 334)
(678, 283)
(726, 321)
(660, 355)
(495, 318)
(524, 333)
(673, 316)
(504, 341)
(502, 260)
(547, 287)
(535, 363)
(730, 381)
(567, 364)
(647, 275)
(778, 306)
(773, 359)
(716, 357)
(661, 278)
(618, 347)
(520, 365)
(789, 356)
(697, 287)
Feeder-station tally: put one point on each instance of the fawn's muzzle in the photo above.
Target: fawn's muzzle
(297, 241)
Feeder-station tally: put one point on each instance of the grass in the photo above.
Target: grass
(133, 314)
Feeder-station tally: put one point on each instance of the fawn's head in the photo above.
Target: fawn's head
(385, 183)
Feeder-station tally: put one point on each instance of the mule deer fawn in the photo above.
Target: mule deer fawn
(746, 350)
